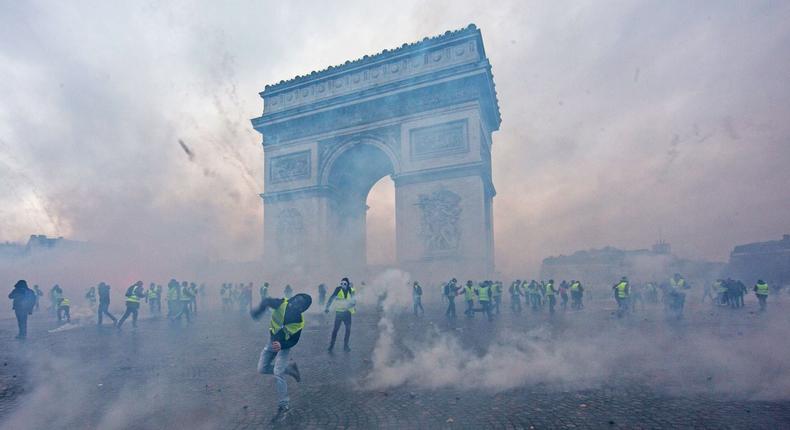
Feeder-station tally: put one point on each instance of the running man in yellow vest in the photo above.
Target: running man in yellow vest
(345, 306)
(134, 295)
(761, 291)
(285, 329)
(621, 295)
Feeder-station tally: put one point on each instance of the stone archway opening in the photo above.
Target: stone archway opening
(380, 240)
(351, 177)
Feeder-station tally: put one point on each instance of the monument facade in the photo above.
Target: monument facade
(423, 114)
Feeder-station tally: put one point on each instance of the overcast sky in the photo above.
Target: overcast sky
(620, 119)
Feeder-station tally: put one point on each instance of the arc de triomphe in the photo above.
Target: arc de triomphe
(424, 114)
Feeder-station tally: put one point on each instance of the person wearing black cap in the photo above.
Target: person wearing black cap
(285, 329)
(24, 300)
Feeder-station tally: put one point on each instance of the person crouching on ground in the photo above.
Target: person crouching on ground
(285, 329)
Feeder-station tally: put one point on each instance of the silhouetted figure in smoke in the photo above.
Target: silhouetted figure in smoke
(496, 294)
(515, 296)
(173, 298)
(39, 295)
(104, 303)
(23, 302)
(64, 310)
(264, 291)
(450, 291)
(534, 295)
(564, 294)
(193, 294)
(134, 295)
(185, 297)
(621, 293)
(285, 330)
(416, 297)
(761, 291)
(226, 294)
(55, 294)
(288, 291)
(154, 299)
(635, 298)
(550, 294)
(469, 298)
(345, 306)
(674, 301)
(90, 296)
(484, 294)
(577, 295)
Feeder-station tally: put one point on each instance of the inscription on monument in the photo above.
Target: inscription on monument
(290, 167)
(439, 229)
(439, 140)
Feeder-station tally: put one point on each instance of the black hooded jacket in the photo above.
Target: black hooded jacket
(293, 314)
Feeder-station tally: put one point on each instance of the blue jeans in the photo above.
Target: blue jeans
(274, 363)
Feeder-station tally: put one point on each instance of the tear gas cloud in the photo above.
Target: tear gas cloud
(574, 354)
(128, 126)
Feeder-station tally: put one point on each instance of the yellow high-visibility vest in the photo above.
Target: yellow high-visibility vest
(278, 322)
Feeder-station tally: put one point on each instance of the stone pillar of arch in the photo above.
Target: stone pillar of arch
(423, 114)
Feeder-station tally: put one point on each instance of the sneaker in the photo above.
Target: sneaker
(281, 415)
(293, 371)
(346, 348)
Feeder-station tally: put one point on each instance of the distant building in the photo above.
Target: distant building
(35, 244)
(769, 261)
(606, 265)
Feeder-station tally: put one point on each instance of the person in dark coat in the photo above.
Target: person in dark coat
(24, 300)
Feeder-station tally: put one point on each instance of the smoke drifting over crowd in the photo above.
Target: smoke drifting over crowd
(618, 121)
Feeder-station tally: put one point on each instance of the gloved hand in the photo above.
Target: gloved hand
(326, 311)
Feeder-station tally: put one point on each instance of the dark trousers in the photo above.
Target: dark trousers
(21, 321)
(418, 306)
(763, 301)
(515, 303)
(450, 313)
(104, 309)
(497, 301)
(344, 318)
(131, 309)
(63, 312)
(470, 309)
(183, 311)
(551, 301)
(485, 307)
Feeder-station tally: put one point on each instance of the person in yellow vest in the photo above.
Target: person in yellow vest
(285, 329)
(134, 295)
(484, 295)
(64, 307)
(577, 294)
(678, 283)
(621, 294)
(550, 295)
(345, 305)
(469, 298)
(173, 298)
(761, 291)
(186, 297)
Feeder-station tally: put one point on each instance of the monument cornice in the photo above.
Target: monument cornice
(428, 58)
